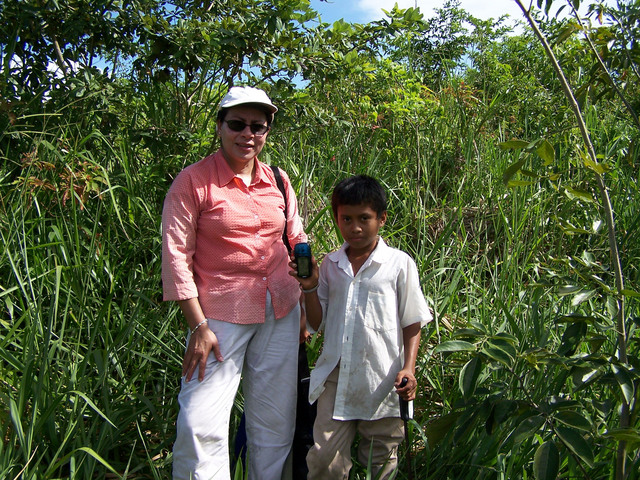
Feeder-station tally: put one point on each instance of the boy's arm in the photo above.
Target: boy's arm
(411, 341)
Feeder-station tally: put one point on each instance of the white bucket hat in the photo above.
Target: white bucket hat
(241, 95)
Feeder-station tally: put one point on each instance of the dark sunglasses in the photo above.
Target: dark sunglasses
(239, 126)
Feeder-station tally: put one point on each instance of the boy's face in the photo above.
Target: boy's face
(359, 226)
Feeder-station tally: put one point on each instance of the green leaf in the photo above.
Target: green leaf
(512, 170)
(568, 289)
(17, 423)
(93, 406)
(454, 346)
(528, 427)
(540, 356)
(479, 326)
(546, 151)
(352, 57)
(572, 230)
(505, 343)
(469, 377)
(501, 352)
(574, 440)
(573, 419)
(574, 317)
(546, 461)
(437, 429)
(583, 377)
(514, 144)
(497, 355)
(598, 168)
(571, 338)
(583, 297)
(564, 34)
(576, 194)
(500, 412)
(519, 183)
(596, 342)
(469, 332)
(624, 380)
(629, 435)
(89, 452)
(507, 337)
(630, 293)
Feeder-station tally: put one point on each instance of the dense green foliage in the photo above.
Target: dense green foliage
(530, 369)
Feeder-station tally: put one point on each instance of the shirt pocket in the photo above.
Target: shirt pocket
(381, 312)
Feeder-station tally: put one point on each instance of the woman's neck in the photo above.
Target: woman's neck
(243, 170)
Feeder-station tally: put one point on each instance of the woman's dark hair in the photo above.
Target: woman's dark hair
(358, 190)
(222, 113)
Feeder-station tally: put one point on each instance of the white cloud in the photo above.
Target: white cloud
(364, 11)
(483, 9)
(372, 9)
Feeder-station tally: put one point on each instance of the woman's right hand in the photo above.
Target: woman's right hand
(202, 342)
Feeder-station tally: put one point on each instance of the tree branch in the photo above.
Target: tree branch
(608, 212)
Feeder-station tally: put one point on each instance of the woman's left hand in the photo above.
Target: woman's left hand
(202, 341)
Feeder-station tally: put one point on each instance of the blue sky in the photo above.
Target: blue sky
(363, 11)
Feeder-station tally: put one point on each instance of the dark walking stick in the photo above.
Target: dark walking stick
(406, 413)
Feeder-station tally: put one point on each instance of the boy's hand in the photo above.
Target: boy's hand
(309, 282)
(408, 392)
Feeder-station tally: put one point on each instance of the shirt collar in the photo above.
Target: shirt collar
(261, 175)
(380, 254)
(226, 175)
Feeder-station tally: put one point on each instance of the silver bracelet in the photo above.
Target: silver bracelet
(198, 326)
(311, 290)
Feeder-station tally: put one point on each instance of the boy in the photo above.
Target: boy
(366, 297)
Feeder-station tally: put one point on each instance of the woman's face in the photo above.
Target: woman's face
(241, 147)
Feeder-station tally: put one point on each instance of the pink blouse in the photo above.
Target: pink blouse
(222, 241)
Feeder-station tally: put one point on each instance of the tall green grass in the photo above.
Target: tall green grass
(91, 357)
(88, 353)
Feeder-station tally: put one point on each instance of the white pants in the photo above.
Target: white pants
(266, 356)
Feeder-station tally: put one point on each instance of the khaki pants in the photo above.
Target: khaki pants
(330, 456)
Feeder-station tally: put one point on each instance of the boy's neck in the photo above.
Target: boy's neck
(358, 257)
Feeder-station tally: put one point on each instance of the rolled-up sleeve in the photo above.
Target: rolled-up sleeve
(179, 221)
(295, 230)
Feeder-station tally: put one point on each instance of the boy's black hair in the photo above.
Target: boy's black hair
(357, 190)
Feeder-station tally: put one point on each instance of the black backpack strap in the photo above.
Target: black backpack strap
(280, 183)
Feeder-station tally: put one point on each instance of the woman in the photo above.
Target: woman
(224, 262)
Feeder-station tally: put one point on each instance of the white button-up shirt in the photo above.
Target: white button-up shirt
(363, 318)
